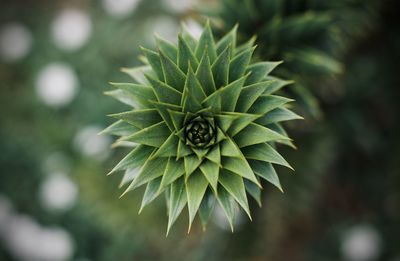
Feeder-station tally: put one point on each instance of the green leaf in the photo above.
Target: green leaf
(154, 135)
(213, 101)
(265, 152)
(206, 41)
(177, 118)
(235, 186)
(136, 158)
(253, 190)
(230, 149)
(317, 61)
(154, 60)
(173, 171)
(214, 155)
(190, 103)
(177, 201)
(241, 122)
(266, 103)
(297, 26)
(192, 162)
(163, 110)
(196, 186)
(309, 101)
(167, 198)
(211, 172)
(241, 167)
(276, 85)
(169, 148)
(278, 115)
(239, 64)
(125, 97)
(250, 94)
(254, 134)
(181, 136)
(140, 118)
(193, 93)
(120, 128)
(153, 168)
(141, 92)
(123, 143)
(206, 208)
(128, 176)
(185, 55)
(225, 121)
(137, 73)
(200, 153)
(167, 48)
(259, 70)
(266, 171)
(151, 193)
(228, 39)
(188, 37)
(220, 68)
(164, 92)
(230, 94)
(279, 129)
(173, 75)
(204, 74)
(225, 98)
(193, 86)
(246, 46)
(220, 135)
(228, 205)
(183, 150)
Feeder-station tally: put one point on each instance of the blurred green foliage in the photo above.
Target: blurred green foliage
(310, 36)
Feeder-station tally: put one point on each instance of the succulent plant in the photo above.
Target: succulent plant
(203, 125)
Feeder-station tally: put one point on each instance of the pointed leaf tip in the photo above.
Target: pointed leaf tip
(177, 201)
(196, 187)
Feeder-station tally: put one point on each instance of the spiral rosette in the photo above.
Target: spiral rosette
(203, 125)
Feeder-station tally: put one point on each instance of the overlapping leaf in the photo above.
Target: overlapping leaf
(203, 120)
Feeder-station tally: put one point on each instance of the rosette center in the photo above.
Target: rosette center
(199, 133)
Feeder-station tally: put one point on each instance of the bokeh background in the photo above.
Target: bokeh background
(341, 203)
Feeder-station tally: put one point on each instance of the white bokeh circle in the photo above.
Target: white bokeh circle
(193, 27)
(361, 243)
(71, 29)
(163, 26)
(180, 6)
(56, 84)
(27, 240)
(120, 8)
(15, 42)
(90, 144)
(58, 192)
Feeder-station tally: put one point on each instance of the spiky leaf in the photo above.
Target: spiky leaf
(206, 121)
